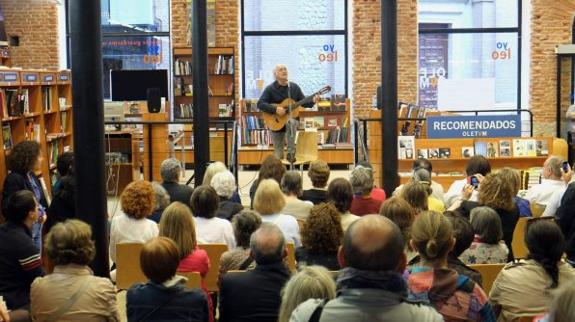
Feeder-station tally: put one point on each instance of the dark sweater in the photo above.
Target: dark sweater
(565, 217)
(316, 196)
(276, 93)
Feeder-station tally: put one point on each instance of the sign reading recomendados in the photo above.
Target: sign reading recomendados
(476, 126)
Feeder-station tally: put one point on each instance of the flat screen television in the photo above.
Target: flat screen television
(132, 85)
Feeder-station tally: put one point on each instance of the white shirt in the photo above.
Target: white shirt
(554, 202)
(126, 229)
(541, 193)
(455, 192)
(214, 231)
(297, 208)
(288, 225)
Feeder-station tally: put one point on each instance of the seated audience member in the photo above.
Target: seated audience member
(552, 179)
(319, 175)
(340, 194)
(213, 169)
(225, 185)
(162, 201)
(436, 188)
(321, 238)
(20, 261)
(291, 186)
(4, 315)
(402, 214)
(312, 282)
(209, 228)
(554, 202)
(64, 167)
(164, 297)
(254, 296)
(269, 202)
(487, 246)
(370, 286)
(170, 172)
(137, 201)
(239, 259)
(566, 220)
(562, 306)
(432, 281)
(376, 193)
(361, 180)
(417, 195)
(272, 168)
(477, 166)
(69, 246)
(523, 288)
(512, 176)
(422, 176)
(63, 205)
(497, 194)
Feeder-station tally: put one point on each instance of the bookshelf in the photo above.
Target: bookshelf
(36, 105)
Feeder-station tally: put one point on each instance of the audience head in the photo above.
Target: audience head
(318, 173)
(213, 169)
(423, 176)
(422, 163)
(478, 164)
(272, 168)
(416, 194)
(162, 196)
(322, 232)
(546, 245)
(269, 198)
(432, 236)
(138, 199)
(70, 242)
(401, 213)
(340, 193)
(204, 202)
(512, 177)
(65, 164)
(267, 244)
(244, 224)
(224, 183)
(159, 259)
(373, 243)
(21, 206)
(553, 168)
(312, 282)
(170, 170)
(291, 183)
(487, 225)
(496, 193)
(24, 157)
(462, 231)
(177, 223)
(361, 180)
(562, 306)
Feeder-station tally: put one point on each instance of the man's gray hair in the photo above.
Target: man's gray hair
(361, 180)
(224, 183)
(170, 170)
(267, 244)
(291, 183)
(555, 165)
(162, 196)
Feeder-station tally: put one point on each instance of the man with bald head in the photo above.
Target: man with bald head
(274, 94)
(370, 285)
(255, 295)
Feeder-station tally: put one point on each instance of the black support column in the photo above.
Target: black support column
(389, 95)
(200, 76)
(89, 124)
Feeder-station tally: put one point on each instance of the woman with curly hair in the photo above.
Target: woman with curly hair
(239, 259)
(225, 185)
(272, 168)
(138, 201)
(321, 238)
(23, 159)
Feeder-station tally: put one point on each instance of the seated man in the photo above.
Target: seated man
(170, 171)
(371, 286)
(552, 179)
(255, 295)
(20, 261)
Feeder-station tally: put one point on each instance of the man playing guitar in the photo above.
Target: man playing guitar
(276, 93)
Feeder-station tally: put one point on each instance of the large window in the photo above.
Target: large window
(470, 54)
(310, 37)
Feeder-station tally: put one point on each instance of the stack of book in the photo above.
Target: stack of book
(182, 67)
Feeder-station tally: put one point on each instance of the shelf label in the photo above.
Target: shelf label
(64, 77)
(476, 126)
(30, 77)
(48, 78)
(10, 77)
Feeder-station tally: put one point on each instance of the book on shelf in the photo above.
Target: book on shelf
(524, 148)
(405, 147)
(184, 111)
(505, 148)
(62, 103)
(15, 106)
(433, 153)
(251, 105)
(24, 98)
(182, 67)
(542, 148)
(4, 103)
(64, 121)
(32, 131)
(331, 121)
(422, 153)
(224, 110)
(467, 152)
(444, 153)
(53, 153)
(7, 136)
(224, 65)
(481, 148)
(47, 98)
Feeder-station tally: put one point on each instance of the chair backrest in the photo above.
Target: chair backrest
(128, 270)
(194, 279)
(537, 209)
(306, 146)
(301, 223)
(488, 273)
(215, 252)
(518, 243)
(291, 257)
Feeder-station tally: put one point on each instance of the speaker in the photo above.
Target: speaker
(154, 100)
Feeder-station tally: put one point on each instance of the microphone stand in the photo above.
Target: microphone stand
(291, 135)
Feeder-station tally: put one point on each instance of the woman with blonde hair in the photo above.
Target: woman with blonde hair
(512, 176)
(269, 202)
(312, 282)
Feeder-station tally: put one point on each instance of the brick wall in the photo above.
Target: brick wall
(36, 23)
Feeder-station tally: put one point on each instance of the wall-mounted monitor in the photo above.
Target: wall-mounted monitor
(132, 85)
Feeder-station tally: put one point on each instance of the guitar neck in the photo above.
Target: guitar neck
(304, 100)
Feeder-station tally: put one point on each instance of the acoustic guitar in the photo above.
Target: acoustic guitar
(275, 122)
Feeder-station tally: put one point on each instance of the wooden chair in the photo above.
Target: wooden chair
(518, 243)
(128, 270)
(291, 257)
(300, 223)
(215, 252)
(194, 279)
(537, 209)
(305, 149)
(488, 273)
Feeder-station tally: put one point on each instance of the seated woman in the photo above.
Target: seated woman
(291, 185)
(431, 281)
(423, 176)
(361, 180)
(340, 194)
(512, 176)
(487, 246)
(321, 237)
(319, 175)
(164, 297)
(524, 288)
(272, 168)
(402, 214)
(69, 246)
(162, 201)
(224, 183)
(417, 195)
(209, 228)
(239, 259)
(63, 205)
